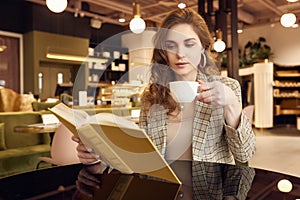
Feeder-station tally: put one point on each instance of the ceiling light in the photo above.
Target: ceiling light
(2, 48)
(291, 1)
(295, 25)
(57, 6)
(59, 56)
(288, 19)
(219, 45)
(122, 20)
(121, 17)
(240, 26)
(2, 45)
(95, 23)
(181, 5)
(137, 24)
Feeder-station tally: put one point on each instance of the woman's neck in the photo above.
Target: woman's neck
(190, 77)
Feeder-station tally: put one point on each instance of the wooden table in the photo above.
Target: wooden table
(36, 128)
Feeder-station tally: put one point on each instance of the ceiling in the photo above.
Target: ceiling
(251, 12)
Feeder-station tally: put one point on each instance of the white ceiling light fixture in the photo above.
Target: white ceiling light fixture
(219, 44)
(240, 27)
(122, 18)
(137, 24)
(181, 5)
(288, 19)
(57, 6)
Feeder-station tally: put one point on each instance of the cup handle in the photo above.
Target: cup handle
(198, 89)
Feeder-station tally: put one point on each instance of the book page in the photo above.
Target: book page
(71, 118)
(112, 119)
(127, 150)
(92, 139)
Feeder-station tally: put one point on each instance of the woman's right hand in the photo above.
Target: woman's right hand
(85, 154)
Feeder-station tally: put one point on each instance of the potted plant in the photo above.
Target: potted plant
(255, 52)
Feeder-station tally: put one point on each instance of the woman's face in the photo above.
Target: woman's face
(184, 49)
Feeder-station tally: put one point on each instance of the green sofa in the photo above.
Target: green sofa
(19, 152)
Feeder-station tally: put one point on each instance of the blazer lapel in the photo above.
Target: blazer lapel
(202, 117)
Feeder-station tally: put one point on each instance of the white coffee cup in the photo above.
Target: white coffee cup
(184, 91)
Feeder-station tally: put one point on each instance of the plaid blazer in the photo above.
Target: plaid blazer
(212, 139)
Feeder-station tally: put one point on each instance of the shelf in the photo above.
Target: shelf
(289, 112)
(286, 87)
(288, 75)
(290, 97)
(286, 93)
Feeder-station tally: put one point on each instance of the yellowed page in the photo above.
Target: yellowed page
(135, 148)
(69, 117)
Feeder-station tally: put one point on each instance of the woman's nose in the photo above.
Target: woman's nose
(181, 52)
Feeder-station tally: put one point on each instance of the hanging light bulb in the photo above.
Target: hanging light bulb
(137, 24)
(2, 45)
(219, 45)
(288, 19)
(57, 6)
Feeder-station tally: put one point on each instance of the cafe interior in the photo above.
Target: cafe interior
(95, 56)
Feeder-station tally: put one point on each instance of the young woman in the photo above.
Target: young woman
(213, 127)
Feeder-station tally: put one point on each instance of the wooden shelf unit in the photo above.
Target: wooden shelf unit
(286, 95)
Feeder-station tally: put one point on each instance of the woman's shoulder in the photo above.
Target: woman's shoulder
(228, 80)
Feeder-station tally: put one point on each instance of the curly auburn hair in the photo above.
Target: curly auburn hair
(158, 91)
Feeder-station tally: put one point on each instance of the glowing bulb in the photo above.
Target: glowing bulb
(219, 46)
(57, 6)
(181, 5)
(122, 20)
(284, 185)
(288, 19)
(2, 48)
(137, 25)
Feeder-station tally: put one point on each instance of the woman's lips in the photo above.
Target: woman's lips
(181, 64)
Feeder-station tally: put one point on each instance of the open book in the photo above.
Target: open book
(120, 142)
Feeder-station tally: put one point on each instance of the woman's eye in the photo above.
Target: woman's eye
(189, 45)
(171, 47)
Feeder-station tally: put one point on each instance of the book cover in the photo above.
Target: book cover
(120, 142)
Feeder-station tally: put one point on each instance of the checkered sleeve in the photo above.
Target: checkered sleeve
(241, 141)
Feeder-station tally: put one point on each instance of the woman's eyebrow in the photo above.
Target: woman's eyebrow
(190, 39)
(170, 41)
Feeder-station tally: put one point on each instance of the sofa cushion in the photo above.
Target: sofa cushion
(9, 100)
(22, 159)
(26, 102)
(2, 139)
